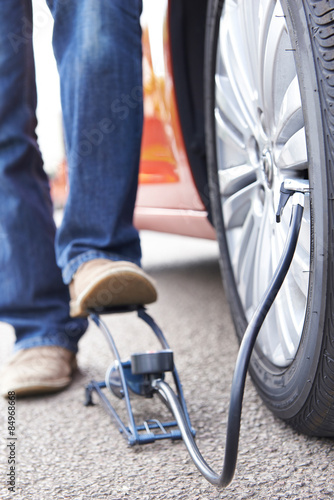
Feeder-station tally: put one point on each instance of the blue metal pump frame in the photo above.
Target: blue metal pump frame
(133, 432)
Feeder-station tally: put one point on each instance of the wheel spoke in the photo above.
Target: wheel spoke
(287, 313)
(293, 155)
(264, 16)
(250, 22)
(228, 106)
(275, 33)
(263, 259)
(232, 180)
(227, 132)
(238, 76)
(244, 254)
(290, 118)
(238, 205)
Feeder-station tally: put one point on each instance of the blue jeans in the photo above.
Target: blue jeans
(97, 45)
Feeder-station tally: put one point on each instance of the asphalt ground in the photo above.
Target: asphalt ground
(65, 450)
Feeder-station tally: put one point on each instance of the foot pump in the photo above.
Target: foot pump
(144, 374)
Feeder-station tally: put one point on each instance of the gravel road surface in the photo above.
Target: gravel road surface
(65, 450)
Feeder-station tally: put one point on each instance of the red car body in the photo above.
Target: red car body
(168, 198)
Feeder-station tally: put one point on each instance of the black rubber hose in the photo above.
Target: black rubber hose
(240, 372)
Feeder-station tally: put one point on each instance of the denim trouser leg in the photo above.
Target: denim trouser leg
(98, 51)
(97, 45)
(33, 297)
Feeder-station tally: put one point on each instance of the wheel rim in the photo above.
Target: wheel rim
(260, 138)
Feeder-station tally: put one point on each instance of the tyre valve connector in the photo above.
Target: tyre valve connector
(290, 187)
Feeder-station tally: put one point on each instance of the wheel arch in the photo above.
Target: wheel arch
(187, 19)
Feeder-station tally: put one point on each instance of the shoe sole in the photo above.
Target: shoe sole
(38, 388)
(115, 287)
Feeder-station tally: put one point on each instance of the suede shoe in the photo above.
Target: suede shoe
(106, 283)
(38, 370)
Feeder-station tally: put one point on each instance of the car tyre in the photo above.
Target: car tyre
(299, 390)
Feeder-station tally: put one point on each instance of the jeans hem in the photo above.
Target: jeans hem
(41, 341)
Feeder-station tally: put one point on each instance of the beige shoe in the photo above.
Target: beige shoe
(37, 370)
(104, 283)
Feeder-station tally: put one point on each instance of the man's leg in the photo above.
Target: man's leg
(98, 50)
(33, 298)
